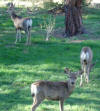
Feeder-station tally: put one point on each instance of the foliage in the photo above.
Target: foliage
(48, 26)
(86, 2)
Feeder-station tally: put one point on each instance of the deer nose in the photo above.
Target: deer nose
(72, 83)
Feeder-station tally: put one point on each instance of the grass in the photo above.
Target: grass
(21, 65)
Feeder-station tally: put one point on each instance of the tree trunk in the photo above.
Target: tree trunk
(73, 17)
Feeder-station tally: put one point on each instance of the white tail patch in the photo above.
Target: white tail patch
(34, 89)
(85, 56)
(29, 22)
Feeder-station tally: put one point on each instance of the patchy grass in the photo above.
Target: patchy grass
(21, 65)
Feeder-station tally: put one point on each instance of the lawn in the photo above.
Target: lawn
(21, 65)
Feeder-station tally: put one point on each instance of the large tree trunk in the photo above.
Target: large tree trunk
(73, 17)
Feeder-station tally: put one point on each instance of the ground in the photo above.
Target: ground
(21, 65)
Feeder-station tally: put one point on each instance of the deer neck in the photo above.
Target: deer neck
(13, 16)
(70, 87)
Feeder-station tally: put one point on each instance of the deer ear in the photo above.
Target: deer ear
(80, 72)
(67, 71)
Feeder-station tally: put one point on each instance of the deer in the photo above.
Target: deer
(50, 90)
(86, 57)
(20, 23)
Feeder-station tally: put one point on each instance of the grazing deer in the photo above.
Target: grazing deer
(20, 24)
(86, 57)
(54, 90)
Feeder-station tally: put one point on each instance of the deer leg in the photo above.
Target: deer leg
(26, 31)
(81, 82)
(87, 76)
(16, 36)
(37, 100)
(61, 102)
(29, 37)
(19, 35)
(86, 73)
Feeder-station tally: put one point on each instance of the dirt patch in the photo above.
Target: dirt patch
(76, 41)
(87, 35)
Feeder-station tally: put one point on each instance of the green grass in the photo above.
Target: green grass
(21, 65)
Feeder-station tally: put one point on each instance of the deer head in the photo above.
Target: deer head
(11, 8)
(72, 75)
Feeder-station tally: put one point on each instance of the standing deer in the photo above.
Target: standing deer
(86, 57)
(20, 24)
(54, 90)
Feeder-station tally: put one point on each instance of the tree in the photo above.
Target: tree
(73, 17)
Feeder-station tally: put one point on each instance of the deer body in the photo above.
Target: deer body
(21, 24)
(52, 91)
(86, 57)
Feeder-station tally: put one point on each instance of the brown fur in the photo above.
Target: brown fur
(53, 90)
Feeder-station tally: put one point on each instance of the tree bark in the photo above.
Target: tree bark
(73, 17)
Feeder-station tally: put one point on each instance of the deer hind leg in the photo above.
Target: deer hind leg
(87, 76)
(61, 104)
(85, 72)
(28, 41)
(29, 37)
(37, 100)
(81, 82)
(17, 34)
